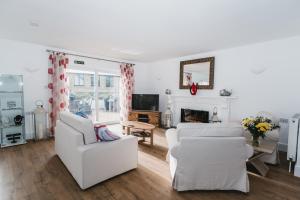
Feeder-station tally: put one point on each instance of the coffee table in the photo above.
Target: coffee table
(264, 148)
(142, 129)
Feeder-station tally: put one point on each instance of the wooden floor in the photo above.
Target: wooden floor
(33, 171)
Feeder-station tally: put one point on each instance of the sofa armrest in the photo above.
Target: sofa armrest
(104, 160)
(249, 151)
(175, 151)
(171, 135)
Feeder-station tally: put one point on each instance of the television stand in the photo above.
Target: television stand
(150, 117)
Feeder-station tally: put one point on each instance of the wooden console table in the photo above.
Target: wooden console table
(150, 117)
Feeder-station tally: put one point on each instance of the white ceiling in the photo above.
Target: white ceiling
(148, 30)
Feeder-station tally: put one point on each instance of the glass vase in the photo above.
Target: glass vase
(255, 141)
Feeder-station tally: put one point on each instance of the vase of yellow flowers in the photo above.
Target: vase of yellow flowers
(258, 127)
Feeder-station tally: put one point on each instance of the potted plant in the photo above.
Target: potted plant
(258, 127)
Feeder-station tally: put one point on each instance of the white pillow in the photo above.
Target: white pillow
(210, 130)
(82, 125)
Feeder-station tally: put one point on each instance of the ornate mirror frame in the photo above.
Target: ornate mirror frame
(211, 60)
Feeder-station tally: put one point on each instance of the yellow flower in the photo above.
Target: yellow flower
(246, 122)
(262, 129)
(264, 125)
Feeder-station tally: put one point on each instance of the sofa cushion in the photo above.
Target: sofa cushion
(209, 130)
(82, 125)
(104, 134)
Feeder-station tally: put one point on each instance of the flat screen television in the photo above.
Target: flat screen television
(149, 102)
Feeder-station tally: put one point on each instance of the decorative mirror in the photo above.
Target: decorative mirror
(199, 71)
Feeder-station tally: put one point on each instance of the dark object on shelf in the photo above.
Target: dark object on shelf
(11, 104)
(225, 92)
(18, 119)
(194, 89)
(143, 118)
(13, 137)
(140, 134)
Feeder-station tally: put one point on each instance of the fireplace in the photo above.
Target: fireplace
(188, 115)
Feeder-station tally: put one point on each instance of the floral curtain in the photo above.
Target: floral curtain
(58, 92)
(126, 89)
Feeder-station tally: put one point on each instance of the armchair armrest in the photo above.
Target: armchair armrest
(172, 139)
(104, 160)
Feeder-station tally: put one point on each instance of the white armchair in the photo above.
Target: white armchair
(208, 157)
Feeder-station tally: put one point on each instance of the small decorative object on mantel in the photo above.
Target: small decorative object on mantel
(194, 88)
(225, 92)
(215, 118)
(258, 127)
(168, 92)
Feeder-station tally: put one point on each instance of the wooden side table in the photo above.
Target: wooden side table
(264, 148)
(141, 127)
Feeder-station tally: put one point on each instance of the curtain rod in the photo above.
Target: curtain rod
(95, 58)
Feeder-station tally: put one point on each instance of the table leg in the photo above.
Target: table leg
(123, 130)
(259, 165)
(151, 137)
(128, 130)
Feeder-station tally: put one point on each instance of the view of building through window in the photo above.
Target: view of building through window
(84, 93)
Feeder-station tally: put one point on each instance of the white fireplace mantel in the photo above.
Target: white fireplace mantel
(207, 103)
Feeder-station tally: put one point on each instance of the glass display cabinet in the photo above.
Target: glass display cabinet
(12, 122)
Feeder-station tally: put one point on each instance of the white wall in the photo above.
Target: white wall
(274, 90)
(31, 61)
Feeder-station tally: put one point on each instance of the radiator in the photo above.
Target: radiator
(293, 153)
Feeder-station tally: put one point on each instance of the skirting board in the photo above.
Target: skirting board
(297, 170)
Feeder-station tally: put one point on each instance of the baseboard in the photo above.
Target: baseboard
(297, 170)
(282, 147)
(29, 136)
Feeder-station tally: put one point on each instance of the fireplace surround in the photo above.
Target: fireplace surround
(207, 103)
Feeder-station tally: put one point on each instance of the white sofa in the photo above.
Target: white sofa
(208, 157)
(91, 162)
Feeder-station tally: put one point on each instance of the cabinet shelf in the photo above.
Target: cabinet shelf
(13, 144)
(6, 109)
(20, 92)
(11, 126)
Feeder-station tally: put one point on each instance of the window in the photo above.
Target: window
(99, 81)
(100, 104)
(92, 80)
(109, 99)
(78, 79)
(109, 81)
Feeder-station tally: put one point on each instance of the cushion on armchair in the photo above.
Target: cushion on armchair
(104, 134)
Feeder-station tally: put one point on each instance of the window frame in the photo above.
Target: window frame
(77, 75)
(97, 88)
